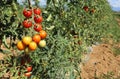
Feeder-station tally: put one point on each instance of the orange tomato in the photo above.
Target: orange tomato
(26, 40)
(20, 45)
(32, 45)
(29, 69)
(36, 38)
(43, 34)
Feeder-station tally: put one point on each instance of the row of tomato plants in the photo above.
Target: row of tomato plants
(70, 31)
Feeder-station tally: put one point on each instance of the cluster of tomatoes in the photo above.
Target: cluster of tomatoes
(27, 23)
(28, 71)
(30, 43)
(86, 8)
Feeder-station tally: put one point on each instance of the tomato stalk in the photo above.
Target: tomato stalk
(5, 42)
(29, 3)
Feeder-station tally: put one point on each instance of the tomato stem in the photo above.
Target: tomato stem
(29, 3)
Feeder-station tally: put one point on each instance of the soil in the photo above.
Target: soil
(118, 20)
(102, 62)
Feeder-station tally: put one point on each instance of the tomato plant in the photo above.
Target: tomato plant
(68, 29)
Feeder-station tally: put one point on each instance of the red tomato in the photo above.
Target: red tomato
(27, 13)
(29, 69)
(38, 19)
(28, 74)
(86, 8)
(92, 11)
(37, 11)
(27, 23)
(37, 27)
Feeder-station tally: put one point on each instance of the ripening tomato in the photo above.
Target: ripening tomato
(20, 45)
(92, 10)
(27, 13)
(37, 11)
(32, 45)
(27, 23)
(42, 43)
(36, 38)
(26, 40)
(38, 19)
(37, 27)
(29, 69)
(28, 74)
(43, 34)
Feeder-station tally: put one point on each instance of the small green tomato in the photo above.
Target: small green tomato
(42, 43)
(27, 50)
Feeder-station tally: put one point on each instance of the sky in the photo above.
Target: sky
(42, 2)
(115, 4)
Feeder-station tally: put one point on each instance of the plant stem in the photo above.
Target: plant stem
(29, 3)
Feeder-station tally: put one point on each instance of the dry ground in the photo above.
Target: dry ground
(102, 61)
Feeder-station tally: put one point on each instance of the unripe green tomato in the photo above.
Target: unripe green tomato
(42, 43)
(27, 50)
